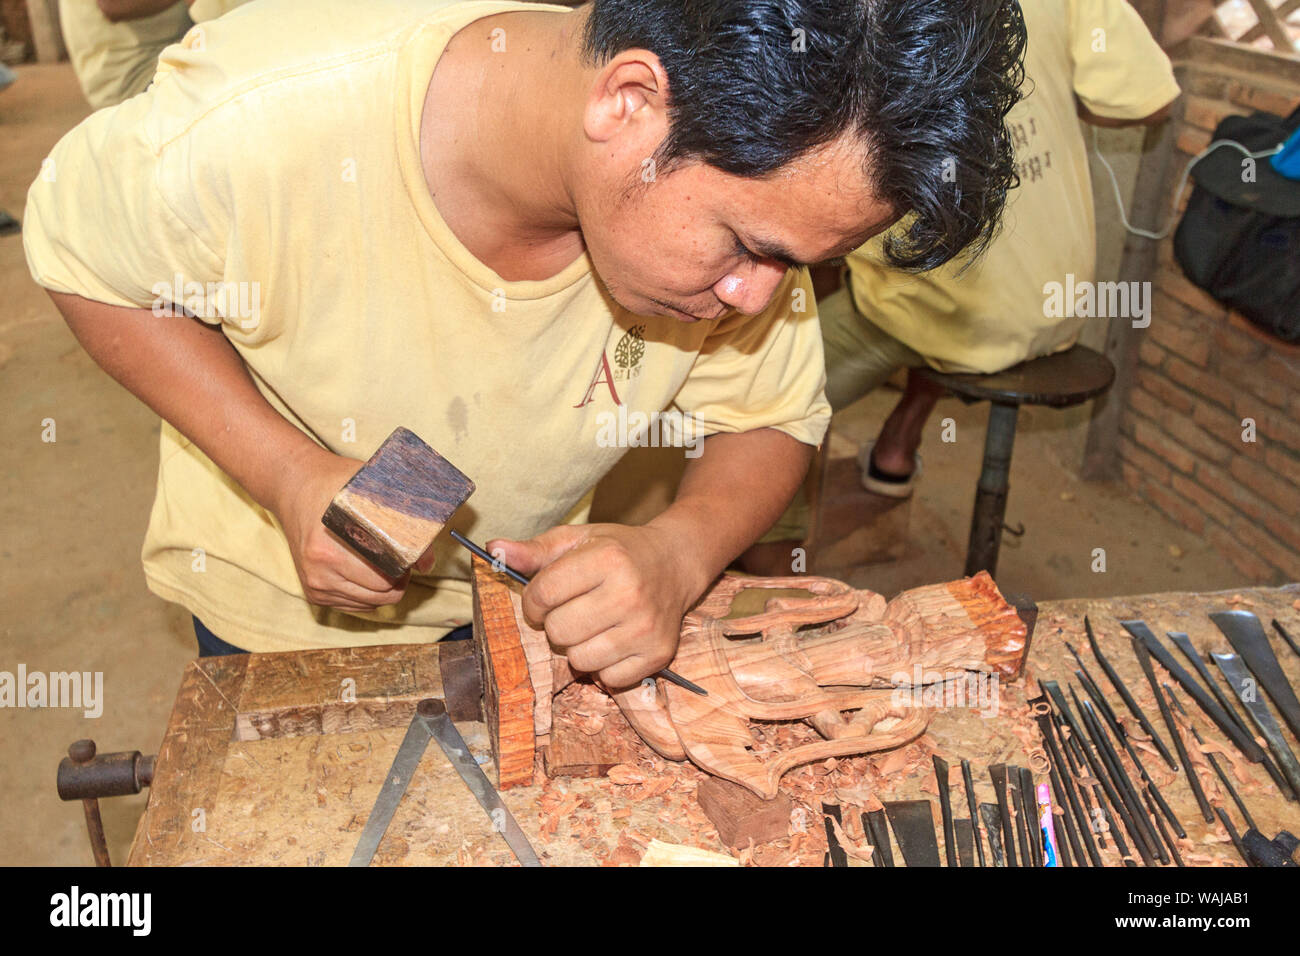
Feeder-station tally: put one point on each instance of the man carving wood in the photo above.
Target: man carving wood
(326, 219)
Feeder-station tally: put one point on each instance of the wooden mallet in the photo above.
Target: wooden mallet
(393, 508)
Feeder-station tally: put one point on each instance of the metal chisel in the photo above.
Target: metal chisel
(431, 722)
(1246, 634)
(913, 823)
(1125, 695)
(666, 674)
(1241, 740)
(1243, 685)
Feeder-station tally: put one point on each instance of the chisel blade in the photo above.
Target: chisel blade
(969, 784)
(993, 828)
(913, 823)
(876, 825)
(1246, 634)
(1118, 683)
(838, 855)
(965, 841)
(1242, 741)
(1184, 644)
(1243, 685)
(1286, 636)
(945, 808)
(998, 774)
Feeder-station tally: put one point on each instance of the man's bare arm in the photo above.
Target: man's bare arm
(191, 375)
(613, 596)
(1159, 116)
(732, 494)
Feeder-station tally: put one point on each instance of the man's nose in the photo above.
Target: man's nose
(749, 290)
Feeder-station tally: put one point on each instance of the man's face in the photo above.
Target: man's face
(697, 242)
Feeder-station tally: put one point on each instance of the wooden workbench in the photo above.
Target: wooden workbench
(267, 760)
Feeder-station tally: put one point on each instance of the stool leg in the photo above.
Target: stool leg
(991, 493)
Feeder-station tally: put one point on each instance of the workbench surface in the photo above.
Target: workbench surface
(266, 760)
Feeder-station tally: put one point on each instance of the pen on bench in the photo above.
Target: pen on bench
(510, 572)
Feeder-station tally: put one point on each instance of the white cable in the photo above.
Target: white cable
(1182, 183)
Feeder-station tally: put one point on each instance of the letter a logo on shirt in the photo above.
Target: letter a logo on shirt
(603, 374)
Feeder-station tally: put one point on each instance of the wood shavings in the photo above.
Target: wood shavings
(1236, 761)
(591, 725)
(853, 848)
(861, 797)
(625, 854)
(655, 786)
(893, 762)
(625, 776)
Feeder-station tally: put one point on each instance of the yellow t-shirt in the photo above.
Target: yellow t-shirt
(114, 61)
(993, 316)
(201, 10)
(290, 159)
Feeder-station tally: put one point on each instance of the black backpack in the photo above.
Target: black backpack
(1240, 241)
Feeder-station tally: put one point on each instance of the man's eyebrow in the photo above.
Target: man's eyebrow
(771, 249)
(774, 250)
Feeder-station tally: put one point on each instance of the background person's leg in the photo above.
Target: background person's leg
(860, 356)
(893, 456)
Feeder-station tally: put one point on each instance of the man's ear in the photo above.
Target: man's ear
(628, 92)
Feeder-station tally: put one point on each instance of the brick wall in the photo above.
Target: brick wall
(1202, 369)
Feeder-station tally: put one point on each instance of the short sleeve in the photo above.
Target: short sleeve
(1120, 72)
(764, 371)
(97, 224)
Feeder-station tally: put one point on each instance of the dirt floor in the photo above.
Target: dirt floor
(74, 510)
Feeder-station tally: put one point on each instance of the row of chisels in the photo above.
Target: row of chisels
(1093, 798)
(1084, 738)
(912, 822)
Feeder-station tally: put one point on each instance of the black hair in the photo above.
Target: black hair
(925, 84)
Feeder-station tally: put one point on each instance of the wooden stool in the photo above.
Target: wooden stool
(1057, 381)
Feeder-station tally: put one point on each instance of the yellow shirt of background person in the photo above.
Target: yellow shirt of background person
(115, 61)
(993, 316)
(286, 165)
